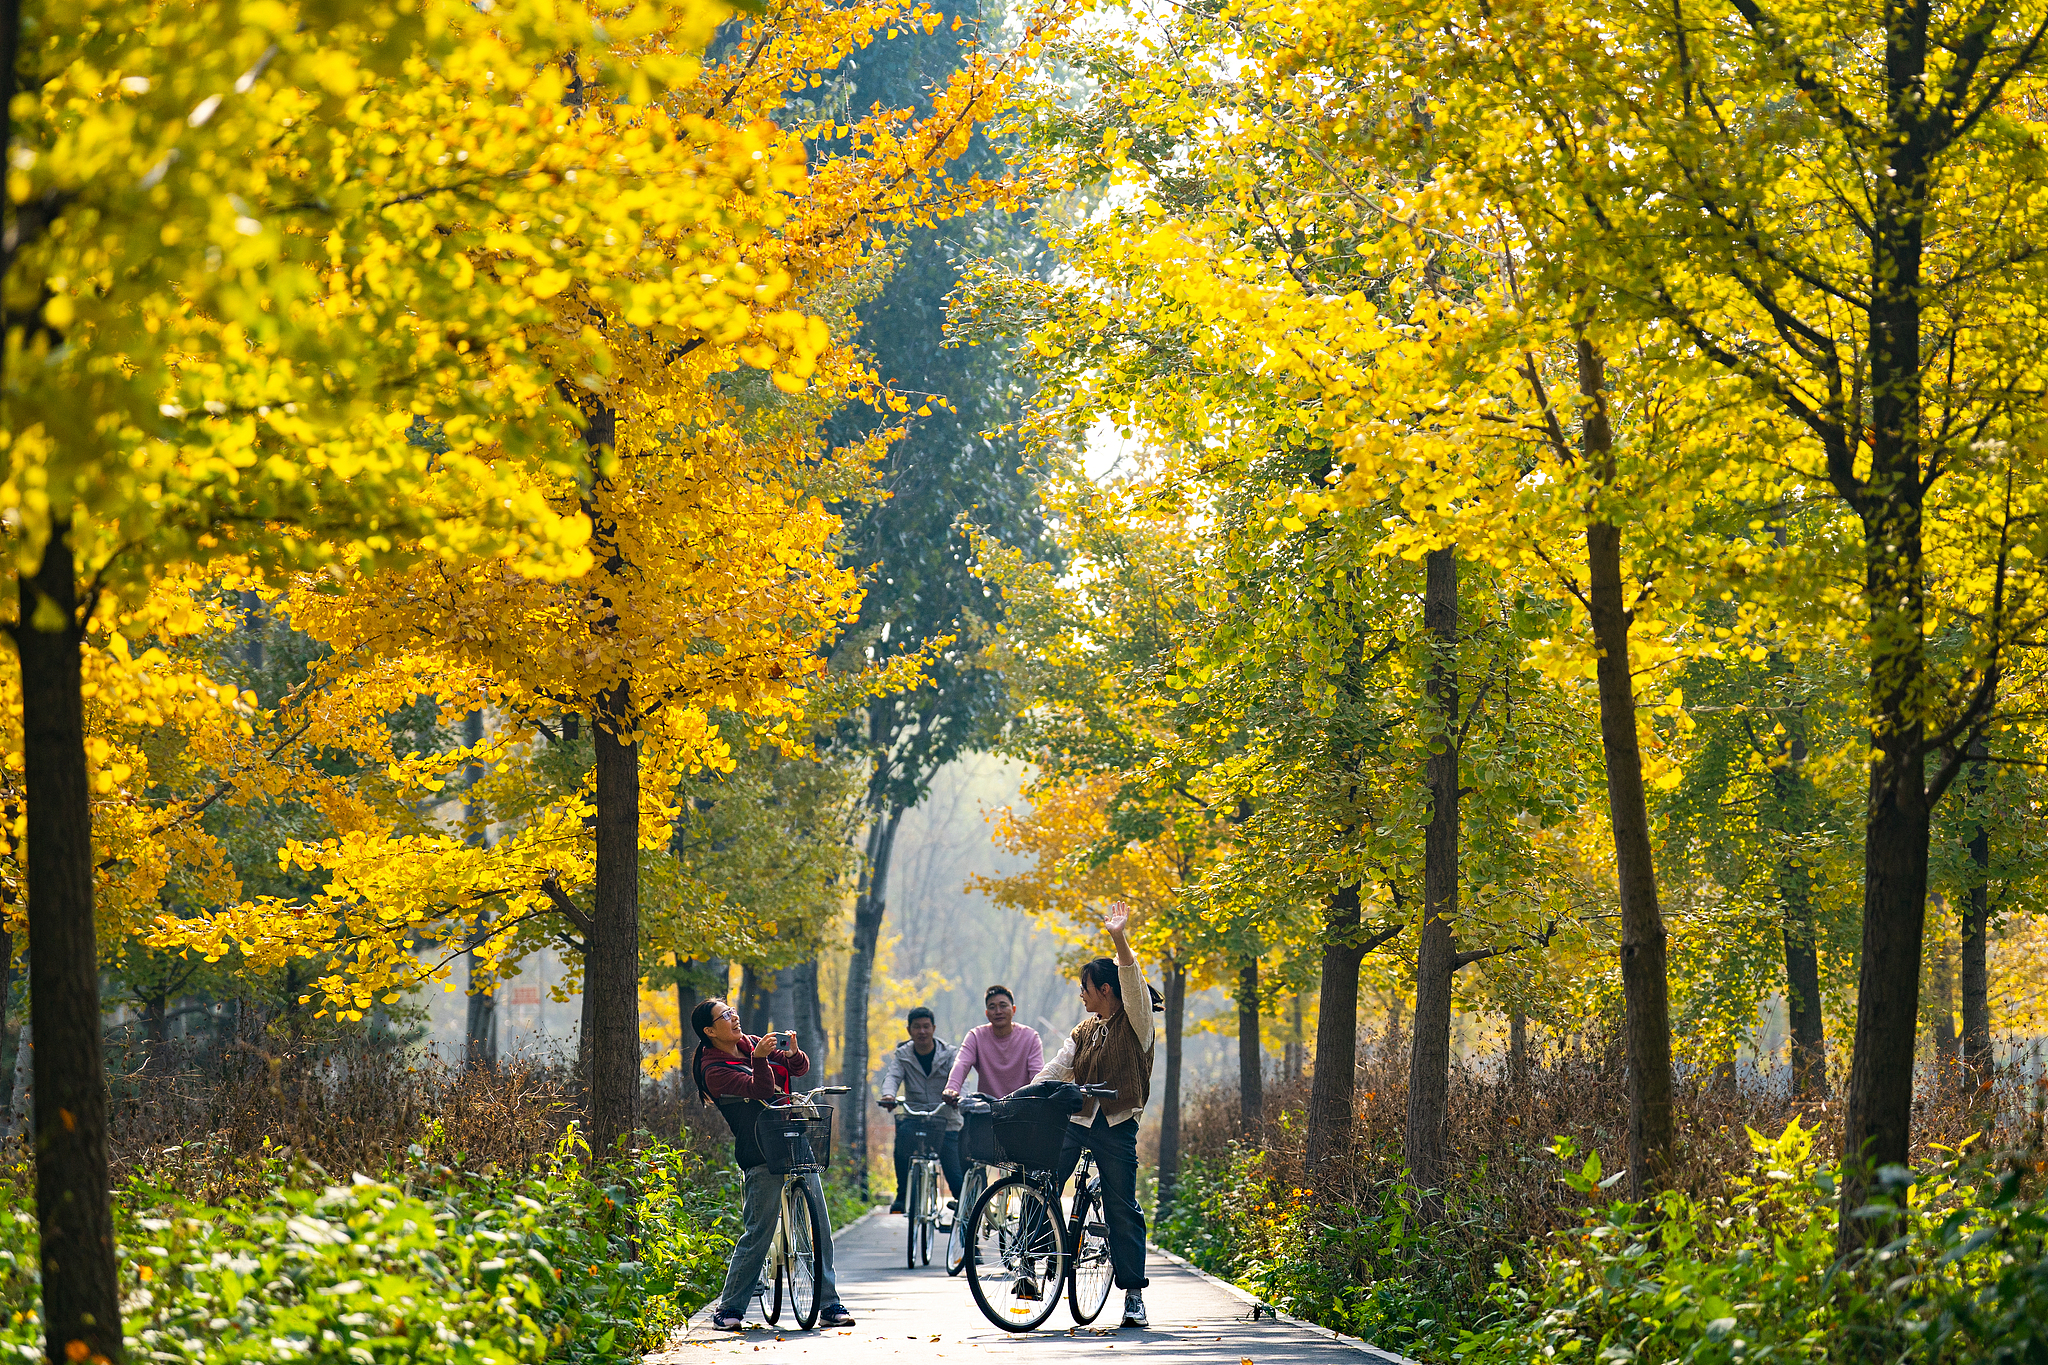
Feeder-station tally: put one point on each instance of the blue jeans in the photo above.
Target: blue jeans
(1116, 1157)
(949, 1160)
(758, 1213)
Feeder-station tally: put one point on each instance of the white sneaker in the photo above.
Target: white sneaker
(1134, 1309)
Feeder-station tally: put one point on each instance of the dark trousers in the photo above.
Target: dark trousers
(1116, 1157)
(949, 1160)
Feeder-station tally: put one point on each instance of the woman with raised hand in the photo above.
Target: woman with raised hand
(1113, 1046)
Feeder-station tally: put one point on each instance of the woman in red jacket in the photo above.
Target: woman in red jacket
(744, 1075)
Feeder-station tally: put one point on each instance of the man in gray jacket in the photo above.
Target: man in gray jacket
(917, 1070)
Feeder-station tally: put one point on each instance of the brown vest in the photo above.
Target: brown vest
(1106, 1052)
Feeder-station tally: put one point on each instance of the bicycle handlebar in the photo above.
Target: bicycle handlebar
(917, 1113)
(810, 1096)
(1100, 1092)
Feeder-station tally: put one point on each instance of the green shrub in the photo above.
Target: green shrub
(1751, 1276)
(1369, 1269)
(566, 1261)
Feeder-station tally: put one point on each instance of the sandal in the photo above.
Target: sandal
(727, 1322)
(835, 1316)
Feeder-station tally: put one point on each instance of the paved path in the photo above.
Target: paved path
(923, 1313)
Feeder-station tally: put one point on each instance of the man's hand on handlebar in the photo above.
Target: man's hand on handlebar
(887, 1101)
(951, 1097)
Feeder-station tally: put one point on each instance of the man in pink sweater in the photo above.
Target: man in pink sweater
(1005, 1052)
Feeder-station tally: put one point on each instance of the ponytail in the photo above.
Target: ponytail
(700, 1023)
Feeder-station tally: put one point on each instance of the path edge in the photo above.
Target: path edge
(690, 1323)
(1264, 1309)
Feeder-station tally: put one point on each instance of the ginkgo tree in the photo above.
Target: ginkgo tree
(711, 584)
(1220, 307)
(248, 247)
(1826, 212)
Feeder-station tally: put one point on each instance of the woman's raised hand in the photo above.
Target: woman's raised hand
(767, 1043)
(1117, 920)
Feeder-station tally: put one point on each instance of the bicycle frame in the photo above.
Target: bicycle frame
(924, 1172)
(780, 1255)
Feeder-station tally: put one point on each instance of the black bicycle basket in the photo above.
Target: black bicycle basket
(1032, 1128)
(978, 1130)
(793, 1140)
(933, 1130)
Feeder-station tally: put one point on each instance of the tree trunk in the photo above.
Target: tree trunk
(782, 999)
(1791, 800)
(255, 623)
(1880, 1101)
(1942, 976)
(1169, 1114)
(611, 964)
(7, 969)
(1518, 1047)
(753, 1001)
(480, 1022)
(686, 1039)
(810, 1011)
(156, 1036)
(1644, 967)
(81, 1299)
(480, 1027)
(869, 906)
(1878, 1121)
(10, 61)
(1802, 1000)
(1390, 1041)
(22, 1101)
(1333, 1088)
(1294, 1057)
(1975, 974)
(1251, 1088)
(686, 1005)
(585, 1031)
(1436, 949)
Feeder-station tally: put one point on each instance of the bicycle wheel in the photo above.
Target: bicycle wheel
(1092, 1275)
(768, 1286)
(913, 1209)
(806, 1216)
(1016, 1254)
(956, 1240)
(933, 1185)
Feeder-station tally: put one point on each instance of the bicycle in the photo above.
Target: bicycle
(1037, 1254)
(921, 1199)
(971, 1186)
(797, 1140)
